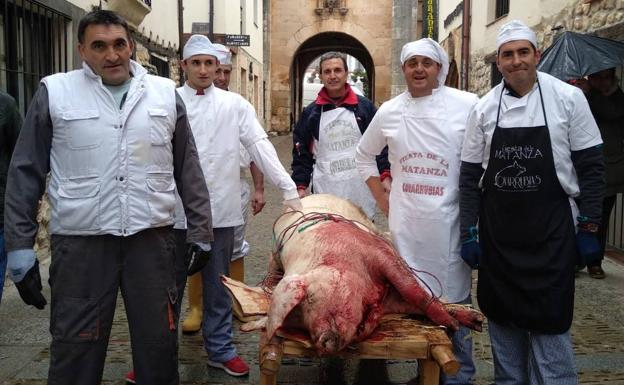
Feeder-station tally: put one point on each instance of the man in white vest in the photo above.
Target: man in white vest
(423, 128)
(221, 121)
(327, 134)
(116, 143)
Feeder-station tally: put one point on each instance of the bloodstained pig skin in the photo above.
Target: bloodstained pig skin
(339, 278)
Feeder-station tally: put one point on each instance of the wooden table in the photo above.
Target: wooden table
(397, 337)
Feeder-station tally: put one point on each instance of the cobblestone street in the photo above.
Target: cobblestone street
(598, 331)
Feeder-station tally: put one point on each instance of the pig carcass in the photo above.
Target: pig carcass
(334, 276)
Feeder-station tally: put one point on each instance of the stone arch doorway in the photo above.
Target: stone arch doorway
(314, 47)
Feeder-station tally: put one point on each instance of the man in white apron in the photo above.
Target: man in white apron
(221, 121)
(423, 128)
(327, 134)
(531, 145)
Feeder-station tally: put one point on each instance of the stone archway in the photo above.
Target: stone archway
(314, 47)
(300, 30)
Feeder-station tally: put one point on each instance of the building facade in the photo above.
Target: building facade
(38, 38)
(299, 31)
(233, 21)
(604, 18)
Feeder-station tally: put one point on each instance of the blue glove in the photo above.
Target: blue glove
(19, 262)
(470, 253)
(470, 249)
(588, 248)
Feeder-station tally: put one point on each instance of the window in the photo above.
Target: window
(243, 83)
(161, 63)
(256, 100)
(34, 43)
(502, 8)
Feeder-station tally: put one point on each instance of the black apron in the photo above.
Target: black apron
(526, 273)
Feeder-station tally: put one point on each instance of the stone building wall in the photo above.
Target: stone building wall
(582, 17)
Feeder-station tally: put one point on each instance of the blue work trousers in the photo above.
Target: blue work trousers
(462, 347)
(217, 318)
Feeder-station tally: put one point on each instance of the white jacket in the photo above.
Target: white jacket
(111, 169)
(221, 121)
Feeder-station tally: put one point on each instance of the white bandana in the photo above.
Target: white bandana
(429, 48)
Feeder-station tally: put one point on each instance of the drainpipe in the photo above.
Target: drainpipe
(465, 44)
(180, 26)
(211, 21)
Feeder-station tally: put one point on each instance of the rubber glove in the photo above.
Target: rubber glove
(588, 248)
(294, 204)
(197, 256)
(23, 269)
(19, 262)
(470, 249)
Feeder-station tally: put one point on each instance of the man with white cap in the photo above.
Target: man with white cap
(423, 128)
(531, 145)
(220, 122)
(193, 320)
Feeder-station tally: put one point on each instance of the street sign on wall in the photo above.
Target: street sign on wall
(430, 19)
(237, 40)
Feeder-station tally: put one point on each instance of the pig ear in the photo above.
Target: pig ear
(288, 293)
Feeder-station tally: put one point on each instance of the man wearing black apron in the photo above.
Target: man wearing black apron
(539, 146)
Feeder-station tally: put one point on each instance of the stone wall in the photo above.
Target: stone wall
(582, 17)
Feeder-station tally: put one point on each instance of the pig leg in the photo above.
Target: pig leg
(471, 318)
(466, 316)
(402, 278)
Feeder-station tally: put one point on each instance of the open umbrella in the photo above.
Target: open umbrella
(574, 55)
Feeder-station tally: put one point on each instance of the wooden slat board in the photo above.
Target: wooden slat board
(251, 300)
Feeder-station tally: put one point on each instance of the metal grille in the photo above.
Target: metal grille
(34, 44)
(502, 8)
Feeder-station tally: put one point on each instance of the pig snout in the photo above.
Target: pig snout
(329, 342)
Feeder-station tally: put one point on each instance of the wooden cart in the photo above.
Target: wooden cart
(397, 337)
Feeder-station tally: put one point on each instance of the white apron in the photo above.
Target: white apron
(424, 200)
(334, 171)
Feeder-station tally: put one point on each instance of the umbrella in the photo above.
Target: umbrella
(574, 55)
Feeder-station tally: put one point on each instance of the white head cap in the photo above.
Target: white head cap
(225, 56)
(199, 45)
(515, 30)
(431, 49)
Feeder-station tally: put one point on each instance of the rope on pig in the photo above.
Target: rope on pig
(312, 218)
(425, 284)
